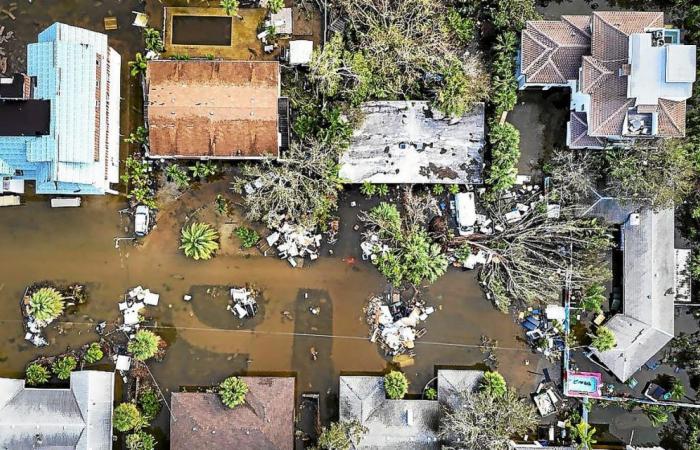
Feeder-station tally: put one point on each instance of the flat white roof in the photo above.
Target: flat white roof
(680, 63)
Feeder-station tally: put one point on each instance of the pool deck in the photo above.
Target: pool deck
(245, 44)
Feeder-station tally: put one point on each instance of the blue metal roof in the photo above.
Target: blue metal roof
(70, 159)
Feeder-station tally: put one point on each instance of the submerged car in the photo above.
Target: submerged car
(142, 220)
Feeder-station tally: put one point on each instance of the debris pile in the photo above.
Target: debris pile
(393, 323)
(544, 330)
(243, 303)
(372, 247)
(294, 243)
(33, 327)
(136, 300)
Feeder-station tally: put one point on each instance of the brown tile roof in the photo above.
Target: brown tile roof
(552, 50)
(611, 30)
(579, 132)
(264, 422)
(217, 109)
(671, 118)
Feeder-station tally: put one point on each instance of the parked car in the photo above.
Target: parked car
(142, 220)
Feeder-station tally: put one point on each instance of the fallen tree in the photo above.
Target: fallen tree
(530, 259)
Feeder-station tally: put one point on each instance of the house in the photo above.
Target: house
(76, 418)
(646, 323)
(59, 122)
(201, 109)
(264, 422)
(401, 424)
(514, 446)
(628, 74)
(408, 142)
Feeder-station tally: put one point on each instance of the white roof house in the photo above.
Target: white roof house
(401, 424)
(408, 142)
(646, 324)
(76, 418)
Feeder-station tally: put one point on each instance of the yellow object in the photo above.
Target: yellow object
(111, 23)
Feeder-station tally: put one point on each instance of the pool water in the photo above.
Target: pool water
(202, 30)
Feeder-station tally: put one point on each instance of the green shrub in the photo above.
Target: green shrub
(604, 339)
(593, 298)
(140, 440)
(505, 152)
(62, 367)
(275, 6)
(37, 374)
(368, 189)
(438, 189)
(395, 385)
(149, 402)
(153, 40)
(430, 394)
(144, 345)
(126, 417)
(232, 391)
(138, 65)
(453, 189)
(199, 241)
(178, 175)
(247, 236)
(229, 6)
(462, 27)
(93, 353)
(382, 190)
(46, 304)
(504, 86)
(494, 384)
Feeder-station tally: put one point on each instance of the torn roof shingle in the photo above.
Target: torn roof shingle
(407, 142)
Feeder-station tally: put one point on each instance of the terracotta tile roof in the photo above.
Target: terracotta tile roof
(217, 109)
(579, 132)
(552, 50)
(592, 73)
(264, 422)
(611, 30)
(671, 118)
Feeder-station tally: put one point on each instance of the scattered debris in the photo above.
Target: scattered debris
(295, 242)
(34, 328)
(243, 302)
(544, 331)
(393, 322)
(136, 300)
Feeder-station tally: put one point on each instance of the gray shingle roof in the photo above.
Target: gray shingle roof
(363, 398)
(646, 324)
(407, 142)
(76, 418)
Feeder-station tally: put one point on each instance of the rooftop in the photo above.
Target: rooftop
(400, 424)
(213, 109)
(629, 76)
(408, 142)
(646, 324)
(76, 418)
(264, 422)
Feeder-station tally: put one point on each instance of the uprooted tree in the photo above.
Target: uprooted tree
(396, 49)
(531, 258)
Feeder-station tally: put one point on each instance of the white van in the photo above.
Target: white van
(465, 208)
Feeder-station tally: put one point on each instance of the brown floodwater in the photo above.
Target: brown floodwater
(206, 343)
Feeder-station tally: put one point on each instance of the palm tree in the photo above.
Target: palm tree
(46, 304)
(604, 339)
(230, 6)
(144, 345)
(677, 389)
(199, 241)
(138, 65)
(232, 391)
(584, 434)
(275, 6)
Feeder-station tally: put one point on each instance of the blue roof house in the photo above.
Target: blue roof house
(62, 120)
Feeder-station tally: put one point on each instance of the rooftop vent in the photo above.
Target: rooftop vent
(409, 417)
(657, 38)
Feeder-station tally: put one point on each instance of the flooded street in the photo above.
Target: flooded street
(206, 342)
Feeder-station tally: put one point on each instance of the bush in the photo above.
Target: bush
(149, 402)
(232, 391)
(494, 384)
(62, 367)
(340, 435)
(368, 189)
(127, 417)
(140, 440)
(430, 394)
(462, 27)
(153, 40)
(37, 374)
(199, 241)
(593, 298)
(504, 86)
(382, 190)
(604, 339)
(395, 385)
(144, 345)
(178, 175)
(94, 353)
(505, 152)
(438, 189)
(46, 304)
(247, 236)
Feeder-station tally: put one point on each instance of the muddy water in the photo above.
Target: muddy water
(206, 342)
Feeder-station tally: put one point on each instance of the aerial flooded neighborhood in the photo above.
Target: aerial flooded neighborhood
(349, 224)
